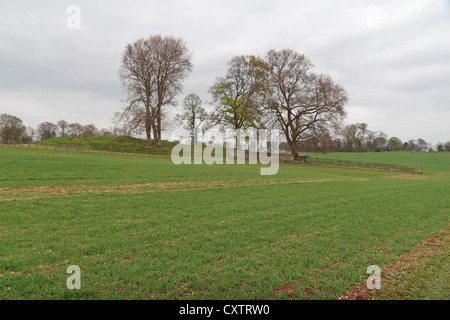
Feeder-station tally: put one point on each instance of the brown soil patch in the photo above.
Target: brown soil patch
(361, 292)
(62, 191)
(286, 288)
(406, 177)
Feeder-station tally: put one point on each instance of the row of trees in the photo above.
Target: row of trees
(196, 120)
(279, 90)
(12, 130)
(358, 138)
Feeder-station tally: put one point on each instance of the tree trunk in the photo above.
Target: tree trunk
(158, 128)
(294, 148)
(148, 122)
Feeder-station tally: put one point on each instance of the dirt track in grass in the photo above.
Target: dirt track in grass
(361, 292)
(8, 194)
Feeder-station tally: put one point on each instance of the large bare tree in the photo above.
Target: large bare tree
(152, 73)
(302, 103)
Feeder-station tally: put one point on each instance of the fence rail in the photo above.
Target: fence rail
(151, 152)
(372, 166)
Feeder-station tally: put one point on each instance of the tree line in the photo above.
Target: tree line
(358, 138)
(279, 90)
(13, 131)
(352, 138)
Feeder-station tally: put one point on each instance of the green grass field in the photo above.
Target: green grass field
(144, 228)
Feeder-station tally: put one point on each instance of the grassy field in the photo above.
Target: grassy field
(143, 228)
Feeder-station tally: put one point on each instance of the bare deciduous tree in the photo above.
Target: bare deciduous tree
(302, 102)
(152, 73)
(90, 130)
(195, 119)
(75, 130)
(46, 130)
(63, 126)
(12, 129)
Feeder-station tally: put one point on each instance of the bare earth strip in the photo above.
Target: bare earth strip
(7, 194)
(361, 292)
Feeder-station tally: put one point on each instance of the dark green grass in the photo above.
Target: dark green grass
(32, 168)
(112, 144)
(230, 243)
(101, 141)
(434, 162)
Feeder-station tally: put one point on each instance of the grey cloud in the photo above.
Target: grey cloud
(393, 74)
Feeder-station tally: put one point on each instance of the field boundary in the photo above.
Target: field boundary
(284, 158)
(8, 194)
(116, 150)
(372, 166)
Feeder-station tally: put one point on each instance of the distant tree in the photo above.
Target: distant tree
(106, 132)
(29, 135)
(75, 130)
(405, 146)
(195, 119)
(319, 142)
(395, 144)
(376, 141)
(89, 130)
(412, 145)
(447, 146)
(351, 139)
(46, 130)
(422, 145)
(363, 134)
(284, 147)
(62, 126)
(152, 72)
(12, 129)
(440, 147)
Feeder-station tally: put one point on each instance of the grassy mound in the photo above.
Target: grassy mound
(122, 143)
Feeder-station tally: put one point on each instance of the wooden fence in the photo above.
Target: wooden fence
(372, 166)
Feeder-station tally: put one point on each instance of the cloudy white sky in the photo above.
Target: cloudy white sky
(392, 56)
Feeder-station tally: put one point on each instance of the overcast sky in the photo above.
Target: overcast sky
(392, 57)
